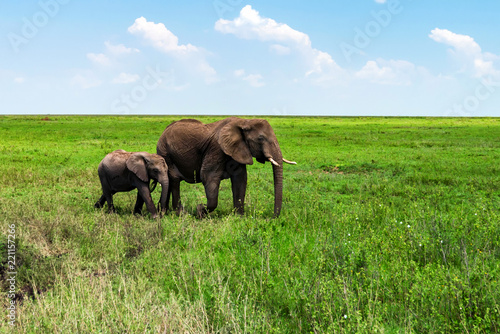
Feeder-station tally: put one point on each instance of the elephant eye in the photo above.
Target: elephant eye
(261, 138)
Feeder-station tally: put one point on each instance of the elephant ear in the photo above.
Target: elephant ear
(233, 143)
(136, 163)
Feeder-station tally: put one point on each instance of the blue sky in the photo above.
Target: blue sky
(231, 57)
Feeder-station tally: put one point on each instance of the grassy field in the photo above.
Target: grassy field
(389, 225)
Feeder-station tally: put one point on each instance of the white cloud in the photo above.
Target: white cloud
(119, 49)
(160, 37)
(467, 51)
(99, 58)
(19, 80)
(208, 71)
(254, 80)
(391, 72)
(319, 61)
(165, 41)
(280, 49)
(250, 25)
(239, 73)
(112, 51)
(125, 78)
(463, 43)
(381, 1)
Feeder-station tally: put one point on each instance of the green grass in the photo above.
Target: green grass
(389, 225)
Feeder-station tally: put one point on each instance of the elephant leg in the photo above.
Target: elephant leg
(107, 194)
(100, 203)
(212, 193)
(138, 204)
(239, 187)
(143, 191)
(109, 199)
(168, 199)
(175, 190)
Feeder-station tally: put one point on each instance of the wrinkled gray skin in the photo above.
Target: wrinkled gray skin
(208, 153)
(122, 171)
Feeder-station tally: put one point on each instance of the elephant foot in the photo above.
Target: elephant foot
(111, 209)
(201, 211)
(180, 209)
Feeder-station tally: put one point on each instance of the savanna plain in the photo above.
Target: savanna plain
(388, 225)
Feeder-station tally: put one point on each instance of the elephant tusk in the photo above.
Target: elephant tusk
(273, 162)
(289, 162)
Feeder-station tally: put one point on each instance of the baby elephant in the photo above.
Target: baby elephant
(124, 171)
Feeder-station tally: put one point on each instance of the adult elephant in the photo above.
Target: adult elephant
(208, 153)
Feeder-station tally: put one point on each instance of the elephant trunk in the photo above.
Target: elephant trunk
(164, 195)
(272, 153)
(276, 161)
